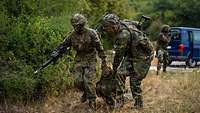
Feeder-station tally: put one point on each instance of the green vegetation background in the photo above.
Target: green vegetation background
(30, 29)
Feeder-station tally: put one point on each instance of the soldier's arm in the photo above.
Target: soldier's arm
(119, 54)
(146, 44)
(63, 47)
(163, 38)
(98, 46)
(120, 49)
(169, 37)
(67, 42)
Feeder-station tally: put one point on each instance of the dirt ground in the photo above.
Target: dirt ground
(156, 92)
(154, 62)
(172, 92)
(166, 93)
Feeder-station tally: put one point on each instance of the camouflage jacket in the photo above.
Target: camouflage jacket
(86, 45)
(163, 41)
(132, 43)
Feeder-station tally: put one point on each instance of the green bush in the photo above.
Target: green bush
(27, 43)
(30, 31)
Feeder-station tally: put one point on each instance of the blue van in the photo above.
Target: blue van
(185, 45)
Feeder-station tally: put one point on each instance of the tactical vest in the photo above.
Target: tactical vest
(138, 45)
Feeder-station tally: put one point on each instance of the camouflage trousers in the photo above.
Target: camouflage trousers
(163, 58)
(137, 71)
(84, 76)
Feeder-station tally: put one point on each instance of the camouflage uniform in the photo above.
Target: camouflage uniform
(133, 56)
(86, 43)
(161, 51)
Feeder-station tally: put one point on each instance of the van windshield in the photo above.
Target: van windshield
(175, 34)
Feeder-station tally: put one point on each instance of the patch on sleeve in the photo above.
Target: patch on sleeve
(95, 34)
(122, 39)
(124, 34)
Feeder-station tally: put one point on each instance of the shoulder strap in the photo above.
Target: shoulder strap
(130, 40)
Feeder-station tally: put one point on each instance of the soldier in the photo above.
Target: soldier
(86, 43)
(161, 51)
(133, 54)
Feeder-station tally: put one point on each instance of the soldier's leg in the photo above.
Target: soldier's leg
(160, 60)
(141, 69)
(165, 61)
(89, 84)
(136, 91)
(121, 79)
(78, 81)
(158, 67)
(122, 72)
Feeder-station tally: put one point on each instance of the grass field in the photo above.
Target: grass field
(172, 92)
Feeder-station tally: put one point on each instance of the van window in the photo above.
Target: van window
(175, 34)
(190, 35)
(196, 36)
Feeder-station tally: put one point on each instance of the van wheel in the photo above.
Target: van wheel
(191, 63)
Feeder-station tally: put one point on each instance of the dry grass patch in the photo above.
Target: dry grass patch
(167, 93)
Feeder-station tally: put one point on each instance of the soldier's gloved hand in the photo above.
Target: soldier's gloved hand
(104, 63)
(106, 70)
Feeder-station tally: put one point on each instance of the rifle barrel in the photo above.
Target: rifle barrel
(45, 64)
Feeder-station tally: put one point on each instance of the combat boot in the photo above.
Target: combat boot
(111, 102)
(138, 103)
(120, 101)
(158, 68)
(157, 72)
(164, 68)
(83, 98)
(92, 105)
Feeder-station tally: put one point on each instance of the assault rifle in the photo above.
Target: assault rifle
(142, 21)
(58, 52)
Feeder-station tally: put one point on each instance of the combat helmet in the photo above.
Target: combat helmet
(78, 19)
(165, 28)
(110, 19)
